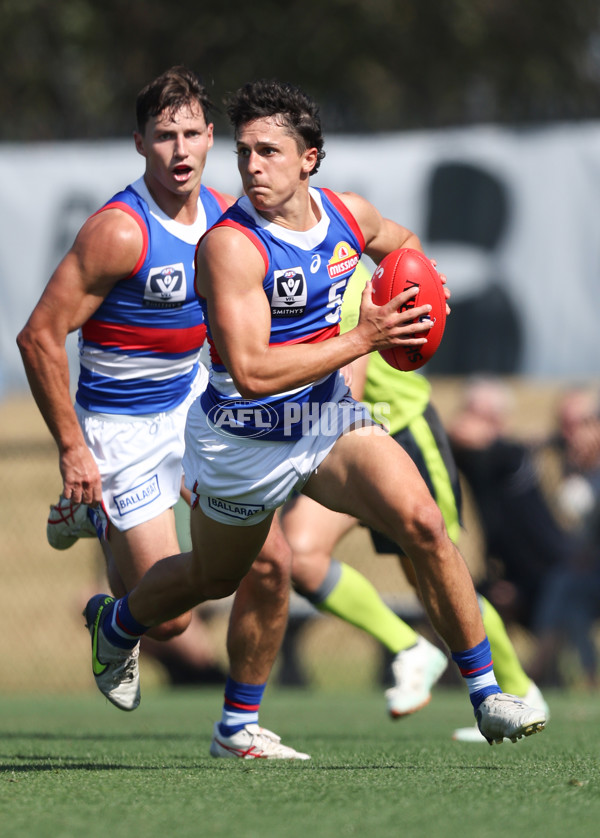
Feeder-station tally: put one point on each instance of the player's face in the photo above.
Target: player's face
(175, 147)
(271, 166)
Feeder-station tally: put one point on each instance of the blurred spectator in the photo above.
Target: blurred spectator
(523, 539)
(570, 604)
(578, 441)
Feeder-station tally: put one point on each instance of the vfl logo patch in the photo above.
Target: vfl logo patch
(289, 293)
(241, 511)
(343, 261)
(166, 287)
(137, 497)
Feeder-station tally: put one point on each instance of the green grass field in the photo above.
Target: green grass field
(79, 767)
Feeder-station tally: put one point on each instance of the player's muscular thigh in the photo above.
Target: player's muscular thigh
(371, 477)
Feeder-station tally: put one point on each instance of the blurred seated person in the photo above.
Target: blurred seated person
(570, 603)
(578, 443)
(523, 539)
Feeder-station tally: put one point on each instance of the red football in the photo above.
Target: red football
(400, 270)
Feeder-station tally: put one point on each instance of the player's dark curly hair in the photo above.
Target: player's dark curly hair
(172, 90)
(296, 111)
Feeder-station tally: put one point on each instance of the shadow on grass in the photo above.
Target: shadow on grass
(28, 768)
(53, 763)
(103, 737)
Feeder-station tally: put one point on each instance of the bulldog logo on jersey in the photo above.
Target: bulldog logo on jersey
(343, 261)
(166, 287)
(289, 293)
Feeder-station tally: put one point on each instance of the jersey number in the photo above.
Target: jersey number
(336, 293)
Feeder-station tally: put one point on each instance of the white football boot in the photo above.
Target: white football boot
(116, 671)
(68, 522)
(533, 698)
(503, 716)
(415, 671)
(251, 742)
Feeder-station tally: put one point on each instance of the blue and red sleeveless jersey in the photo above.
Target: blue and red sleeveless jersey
(139, 351)
(306, 274)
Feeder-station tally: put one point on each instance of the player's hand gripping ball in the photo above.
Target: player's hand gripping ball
(397, 272)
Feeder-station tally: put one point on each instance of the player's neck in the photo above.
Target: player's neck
(301, 213)
(182, 208)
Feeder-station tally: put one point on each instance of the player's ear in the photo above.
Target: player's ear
(310, 160)
(210, 131)
(139, 143)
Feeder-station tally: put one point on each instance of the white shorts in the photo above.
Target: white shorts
(240, 480)
(139, 458)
